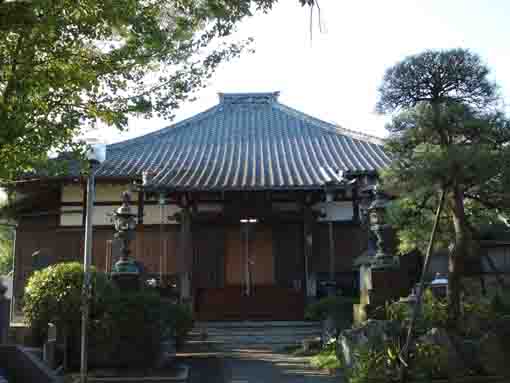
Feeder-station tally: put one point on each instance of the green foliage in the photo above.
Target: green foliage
(426, 362)
(397, 311)
(53, 295)
(66, 65)
(434, 313)
(381, 363)
(373, 365)
(447, 135)
(500, 304)
(177, 320)
(339, 307)
(326, 358)
(126, 328)
(454, 75)
(6, 249)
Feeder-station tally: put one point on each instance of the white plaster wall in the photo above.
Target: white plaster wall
(70, 215)
(72, 193)
(104, 193)
(152, 214)
(335, 211)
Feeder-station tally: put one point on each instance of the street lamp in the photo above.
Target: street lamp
(96, 154)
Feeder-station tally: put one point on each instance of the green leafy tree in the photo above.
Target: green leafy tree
(446, 134)
(65, 65)
(6, 240)
(6, 253)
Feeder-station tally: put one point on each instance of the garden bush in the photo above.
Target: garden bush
(434, 312)
(339, 307)
(126, 327)
(54, 295)
(128, 330)
(178, 321)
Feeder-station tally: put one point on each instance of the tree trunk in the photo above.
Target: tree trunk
(456, 257)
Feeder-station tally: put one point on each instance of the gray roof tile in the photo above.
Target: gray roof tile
(247, 141)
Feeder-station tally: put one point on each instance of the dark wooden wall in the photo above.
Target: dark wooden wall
(289, 260)
(57, 244)
(350, 241)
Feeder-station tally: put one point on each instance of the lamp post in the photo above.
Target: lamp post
(95, 155)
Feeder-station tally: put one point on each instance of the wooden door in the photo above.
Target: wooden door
(234, 266)
(259, 246)
(209, 248)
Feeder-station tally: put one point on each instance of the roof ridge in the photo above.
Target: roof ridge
(328, 125)
(249, 97)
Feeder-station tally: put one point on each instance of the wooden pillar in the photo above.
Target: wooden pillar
(185, 253)
(139, 245)
(308, 221)
(141, 204)
(355, 202)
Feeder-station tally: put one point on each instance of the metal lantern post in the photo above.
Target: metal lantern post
(95, 156)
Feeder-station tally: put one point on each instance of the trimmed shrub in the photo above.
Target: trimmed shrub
(339, 307)
(177, 322)
(54, 295)
(128, 331)
(126, 328)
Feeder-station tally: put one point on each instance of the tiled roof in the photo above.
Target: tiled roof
(247, 141)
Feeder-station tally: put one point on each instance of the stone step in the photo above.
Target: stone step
(237, 335)
(250, 332)
(255, 324)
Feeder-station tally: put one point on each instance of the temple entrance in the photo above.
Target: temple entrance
(249, 259)
(250, 290)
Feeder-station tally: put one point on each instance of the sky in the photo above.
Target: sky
(335, 73)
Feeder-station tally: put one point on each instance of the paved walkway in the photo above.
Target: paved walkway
(252, 367)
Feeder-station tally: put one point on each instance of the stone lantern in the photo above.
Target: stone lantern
(125, 272)
(377, 221)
